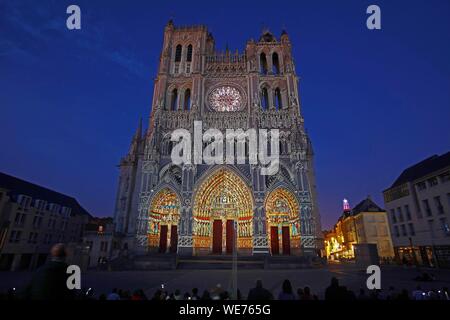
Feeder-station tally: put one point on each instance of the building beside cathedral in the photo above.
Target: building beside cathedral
(366, 223)
(192, 209)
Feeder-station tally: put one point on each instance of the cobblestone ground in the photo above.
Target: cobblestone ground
(185, 280)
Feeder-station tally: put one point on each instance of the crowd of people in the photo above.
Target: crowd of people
(49, 283)
(334, 292)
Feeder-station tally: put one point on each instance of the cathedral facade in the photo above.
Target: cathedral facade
(200, 209)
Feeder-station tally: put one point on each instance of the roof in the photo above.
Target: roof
(19, 186)
(367, 205)
(423, 168)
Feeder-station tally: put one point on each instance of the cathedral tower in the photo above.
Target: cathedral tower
(193, 209)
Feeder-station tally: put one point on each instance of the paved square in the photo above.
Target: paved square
(185, 280)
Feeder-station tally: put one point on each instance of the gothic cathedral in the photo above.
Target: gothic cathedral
(200, 209)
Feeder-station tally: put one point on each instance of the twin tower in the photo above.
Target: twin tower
(201, 209)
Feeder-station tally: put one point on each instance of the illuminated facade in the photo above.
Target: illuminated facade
(198, 209)
(366, 223)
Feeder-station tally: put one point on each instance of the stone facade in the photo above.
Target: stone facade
(418, 206)
(190, 71)
(32, 220)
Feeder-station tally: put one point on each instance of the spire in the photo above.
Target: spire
(346, 205)
(138, 134)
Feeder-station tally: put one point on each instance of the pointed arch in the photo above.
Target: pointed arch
(264, 98)
(189, 53)
(282, 214)
(222, 195)
(178, 51)
(275, 64)
(263, 63)
(164, 216)
(187, 99)
(277, 100)
(174, 100)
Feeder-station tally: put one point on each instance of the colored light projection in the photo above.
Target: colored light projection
(164, 210)
(225, 99)
(223, 196)
(282, 209)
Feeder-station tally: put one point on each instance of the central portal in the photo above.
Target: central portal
(222, 199)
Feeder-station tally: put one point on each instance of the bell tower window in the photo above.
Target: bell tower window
(189, 53)
(264, 99)
(174, 100)
(275, 64)
(263, 62)
(187, 99)
(277, 99)
(178, 53)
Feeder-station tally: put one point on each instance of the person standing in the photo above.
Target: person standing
(286, 292)
(49, 282)
(259, 293)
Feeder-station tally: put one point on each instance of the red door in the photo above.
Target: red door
(163, 239)
(286, 241)
(230, 236)
(217, 237)
(173, 239)
(274, 240)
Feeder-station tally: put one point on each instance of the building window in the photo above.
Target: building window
(178, 53)
(393, 217)
(421, 186)
(400, 214)
(431, 227)
(432, 182)
(412, 232)
(396, 232)
(187, 99)
(403, 230)
(277, 99)
(189, 53)
(445, 226)
(263, 62)
(426, 206)
(17, 218)
(32, 238)
(439, 207)
(445, 177)
(264, 99)
(14, 237)
(174, 101)
(275, 63)
(408, 213)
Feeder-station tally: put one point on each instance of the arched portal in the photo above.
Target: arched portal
(283, 222)
(164, 215)
(220, 201)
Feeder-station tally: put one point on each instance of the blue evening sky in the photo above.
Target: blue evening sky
(374, 102)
